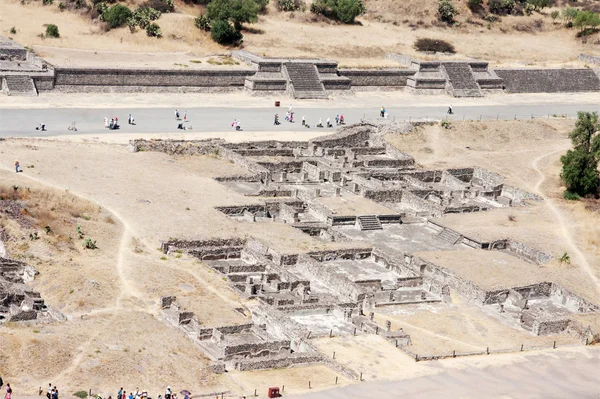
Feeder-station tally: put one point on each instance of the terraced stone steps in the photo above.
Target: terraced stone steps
(19, 85)
(369, 222)
(461, 79)
(305, 80)
(450, 236)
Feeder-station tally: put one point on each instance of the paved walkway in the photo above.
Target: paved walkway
(541, 376)
(22, 122)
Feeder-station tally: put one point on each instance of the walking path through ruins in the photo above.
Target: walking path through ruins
(22, 122)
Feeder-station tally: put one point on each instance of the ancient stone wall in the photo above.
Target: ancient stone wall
(592, 59)
(487, 177)
(529, 253)
(179, 147)
(377, 77)
(571, 301)
(150, 77)
(549, 80)
(351, 136)
(278, 362)
(518, 195)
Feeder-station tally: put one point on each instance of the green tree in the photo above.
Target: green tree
(569, 14)
(586, 20)
(223, 32)
(580, 164)
(235, 11)
(446, 11)
(117, 16)
(347, 10)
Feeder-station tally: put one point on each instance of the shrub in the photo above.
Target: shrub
(565, 258)
(116, 16)
(474, 5)
(491, 18)
(347, 10)
(52, 31)
(446, 11)
(262, 5)
(342, 10)
(47, 2)
(81, 394)
(202, 22)
(13, 30)
(539, 4)
(223, 32)
(586, 20)
(569, 14)
(142, 17)
(554, 14)
(62, 6)
(433, 45)
(529, 9)
(101, 8)
(291, 5)
(89, 244)
(501, 7)
(153, 30)
(163, 6)
(571, 196)
(235, 11)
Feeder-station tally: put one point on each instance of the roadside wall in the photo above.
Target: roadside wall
(549, 80)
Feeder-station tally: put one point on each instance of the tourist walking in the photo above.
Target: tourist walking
(17, 167)
(185, 116)
(129, 119)
(120, 393)
(8, 391)
(304, 120)
(382, 112)
(49, 393)
(450, 111)
(177, 114)
(105, 121)
(337, 119)
(1, 382)
(168, 393)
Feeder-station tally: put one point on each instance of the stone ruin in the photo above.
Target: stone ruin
(17, 301)
(353, 187)
(19, 68)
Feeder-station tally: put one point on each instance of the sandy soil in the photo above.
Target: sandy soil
(294, 34)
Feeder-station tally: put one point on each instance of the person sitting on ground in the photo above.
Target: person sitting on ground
(180, 125)
(41, 127)
(237, 127)
(320, 124)
(304, 120)
(329, 123)
(132, 120)
(341, 119)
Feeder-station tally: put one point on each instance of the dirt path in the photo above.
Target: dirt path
(567, 227)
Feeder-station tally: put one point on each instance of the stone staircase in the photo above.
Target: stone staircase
(305, 81)
(461, 82)
(450, 236)
(368, 222)
(19, 85)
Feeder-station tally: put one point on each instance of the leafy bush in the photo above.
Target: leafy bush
(262, 5)
(116, 16)
(491, 18)
(52, 31)
(13, 31)
(586, 20)
(163, 6)
(202, 22)
(142, 17)
(47, 2)
(529, 9)
(434, 45)
(101, 8)
(501, 7)
(446, 11)
(223, 32)
(347, 10)
(571, 196)
(153, 30)
(474, 4)
(81, 394)
(342, 10)
(291, 5)
(554, 14)
(539, 4)
(89, 244)
(235, 11)
(569, 14)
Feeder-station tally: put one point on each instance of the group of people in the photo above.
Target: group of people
(111, 124)
(8, 389)
(235, 125)
(137, 394)
(181, 123)
(52, 392)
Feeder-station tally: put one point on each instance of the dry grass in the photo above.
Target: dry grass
(298, 34)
